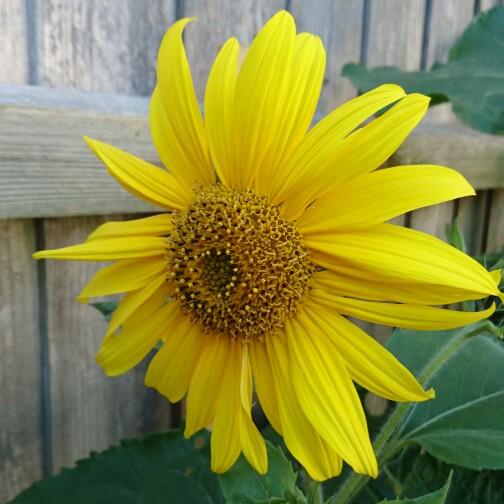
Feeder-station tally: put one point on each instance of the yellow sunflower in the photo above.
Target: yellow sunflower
(270, 234)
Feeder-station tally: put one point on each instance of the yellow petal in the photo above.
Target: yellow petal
(368, 363)
(142, 179)
(301, 438)
(325, 139)
(233, 429)
(408, 316)
(186, 147)
(404, 253)
(206, 384)
(348, 280)
(171, 369)
(251, 441)
(154, 294)
(379, 196)
(108, 250)
(225, 440)
(367, 149)
(219, 97)
(123, 276)
(120, 353)
(156, 225)
(328, 396)
(263, 379)
(304, 81)
(260, 94)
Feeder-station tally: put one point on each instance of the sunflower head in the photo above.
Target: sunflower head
(270, 234)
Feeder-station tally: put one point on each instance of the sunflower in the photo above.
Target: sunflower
(270, 234)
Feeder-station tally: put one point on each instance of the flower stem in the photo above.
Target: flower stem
(388, 441)
(311, 488)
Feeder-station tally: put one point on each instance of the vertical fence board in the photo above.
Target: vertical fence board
(105, 46)
(20, 435)
(89, 410)
(495, 237)
(219, 20)
(339, 25)
(20, 441)
(395, 33)
(108, 47)
(13, 42)
(472, 213)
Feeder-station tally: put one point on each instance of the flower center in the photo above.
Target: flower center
(240, 268)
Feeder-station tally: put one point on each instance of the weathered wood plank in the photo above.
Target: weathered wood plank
(339, 24)
(47, 170)
(395, 33)
(472, 214)
(14, 66)
(495, 236)
(104, 46)
(219, 20)
(20, 435)
(89, 410)
(21, 445)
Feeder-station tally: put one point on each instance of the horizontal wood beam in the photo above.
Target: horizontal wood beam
(46, 170)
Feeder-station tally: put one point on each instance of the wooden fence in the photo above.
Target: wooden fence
(56, 404)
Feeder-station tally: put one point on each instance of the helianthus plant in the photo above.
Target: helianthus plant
(270, 234)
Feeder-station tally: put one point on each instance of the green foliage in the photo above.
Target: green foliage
(158, 469)
(106, 308)
(464, 425)
(455, 237)
(416, 473)
(242, 485)
(437, 497)
(472, 79)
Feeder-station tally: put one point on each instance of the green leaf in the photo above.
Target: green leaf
(455, 236)
(438, 497)
(416, 472)
(107, 308)
(464, 425)
(158, 469)
(472, 79)
(243, 485)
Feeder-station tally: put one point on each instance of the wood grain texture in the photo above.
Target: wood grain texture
(472, 215)
(43, 153)
(108, 47)
(219, 20)
(339, 24)
(395, 33)
(89, 410)
(20, 439)
(495, 236)
(20, 428)
(13, 42)
(103, 45)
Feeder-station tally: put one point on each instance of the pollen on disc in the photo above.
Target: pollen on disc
(241, 269)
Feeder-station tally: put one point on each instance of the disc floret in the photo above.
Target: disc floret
(240, 268)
